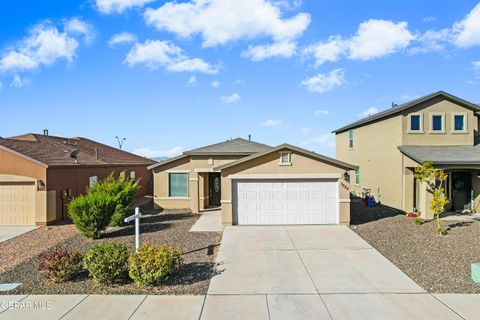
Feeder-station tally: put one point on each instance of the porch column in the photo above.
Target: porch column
(194, 196)
(408, 190)
(201, 191)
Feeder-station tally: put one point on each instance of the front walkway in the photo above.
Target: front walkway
(273, 273)
(9, 232)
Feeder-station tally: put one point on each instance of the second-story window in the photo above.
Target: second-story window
(415, 123)
(350, 139)
(437, 123)
(459, 122)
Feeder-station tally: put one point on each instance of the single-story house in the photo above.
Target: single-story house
(256, 184)
(40, 174)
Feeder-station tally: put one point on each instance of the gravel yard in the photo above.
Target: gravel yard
(168, 228)
(439, 264)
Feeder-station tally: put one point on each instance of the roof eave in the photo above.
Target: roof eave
(25, 157)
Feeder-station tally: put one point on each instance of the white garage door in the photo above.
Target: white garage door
(17, 203)
(277, 202)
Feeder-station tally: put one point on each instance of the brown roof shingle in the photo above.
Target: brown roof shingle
(54, 151)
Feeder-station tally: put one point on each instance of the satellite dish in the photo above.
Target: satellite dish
(74, 154)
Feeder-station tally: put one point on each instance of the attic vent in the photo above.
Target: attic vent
(394, 105)
(45, 132)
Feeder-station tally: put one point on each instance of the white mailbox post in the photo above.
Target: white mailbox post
(136, 217)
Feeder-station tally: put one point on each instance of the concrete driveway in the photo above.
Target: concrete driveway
(9, 232)
(303, 260)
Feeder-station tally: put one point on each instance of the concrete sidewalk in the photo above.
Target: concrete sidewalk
(271, 306)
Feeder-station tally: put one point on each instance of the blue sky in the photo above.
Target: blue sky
(170, 76)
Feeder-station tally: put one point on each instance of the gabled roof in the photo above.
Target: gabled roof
(54, 151)
(443, 155)
(400, 108)
(315, 155)
(230, 147)
(236, 146)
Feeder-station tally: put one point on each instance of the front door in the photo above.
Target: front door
(461, 189)
(214, 188)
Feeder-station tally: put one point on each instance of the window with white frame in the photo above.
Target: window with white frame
(437, 123)
(459, 122)
(415, 123)
(285, 158)
(132, 175)
(350, 139)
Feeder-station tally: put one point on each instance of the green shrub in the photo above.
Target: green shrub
(60, 265)
(107, 262)
(92, 213)
(123, 190)
(151, 265)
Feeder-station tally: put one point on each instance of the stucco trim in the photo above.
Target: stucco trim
(287, 176)
(226, 201)
(21, 155)
(171, 198)
(314, 155)
(202, 170)
(344, 200)
(177, 171)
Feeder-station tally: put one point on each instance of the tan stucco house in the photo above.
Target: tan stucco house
(387, 147)
(256, 184)
(40, 174)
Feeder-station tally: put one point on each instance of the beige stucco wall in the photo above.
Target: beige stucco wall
(376, 153)
(269, 165)
(198, 182)
(447, 138)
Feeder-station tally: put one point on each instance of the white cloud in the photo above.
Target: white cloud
(122, 38)
(119, 6)
(432, 40)
(284, 49)
(216, 84)
(370, 111)
(476, 67)
(322, 83)
(271, 123)
(321, 112)
(149, 153)
(17, 82)
(155, 54)
(377, 38)
(79, 27)
(287, 5)
(234, 97)
(429, 19)
(192, 81)
(467, 31)
(373, 39)
(44, 45)
(306, 131)
(324, 140)
(222, 21)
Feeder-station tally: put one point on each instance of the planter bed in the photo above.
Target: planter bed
(169, 228)
(439, 264)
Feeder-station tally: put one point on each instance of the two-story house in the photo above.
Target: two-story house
(387, 147)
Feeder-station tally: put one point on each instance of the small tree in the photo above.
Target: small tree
(123, 190)
(435, 180)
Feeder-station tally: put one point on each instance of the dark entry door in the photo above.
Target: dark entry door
(461, 189)
(214, 188)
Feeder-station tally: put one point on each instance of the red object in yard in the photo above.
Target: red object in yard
(411, 215)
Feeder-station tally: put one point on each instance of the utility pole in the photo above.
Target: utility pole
(120, 142)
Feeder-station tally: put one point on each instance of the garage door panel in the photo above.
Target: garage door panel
(17, 203)
(286, 202)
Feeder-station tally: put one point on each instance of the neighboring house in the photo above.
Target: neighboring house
(40, 174)
(387, 147)
(256, 184)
